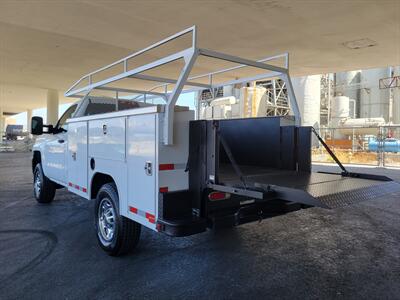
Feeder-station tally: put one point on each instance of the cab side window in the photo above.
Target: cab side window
(99, 108)
(67, 115)
(99, 105)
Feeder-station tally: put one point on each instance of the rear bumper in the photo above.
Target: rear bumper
(256, 211)
(182, 227)
(227, 217)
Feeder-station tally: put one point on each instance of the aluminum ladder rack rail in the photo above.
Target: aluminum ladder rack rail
(189, 56)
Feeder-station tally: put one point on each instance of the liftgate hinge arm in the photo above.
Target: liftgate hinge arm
(237, 191)
(230, 156)
(345, 172)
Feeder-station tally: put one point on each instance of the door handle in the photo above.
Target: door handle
(61, 141)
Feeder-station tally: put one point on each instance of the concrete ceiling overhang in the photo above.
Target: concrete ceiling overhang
(51, 44)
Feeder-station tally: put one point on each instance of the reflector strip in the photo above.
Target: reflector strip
(77, 187)
(170, 167)
(166, 167)
(150, 217)
(164, 189)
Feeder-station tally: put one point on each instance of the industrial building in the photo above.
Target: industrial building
(326, 100)
(351, 109)
(288, 182)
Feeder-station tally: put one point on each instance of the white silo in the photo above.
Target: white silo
(340, 110)
(308, 94)
(348, 84)
(374, 101)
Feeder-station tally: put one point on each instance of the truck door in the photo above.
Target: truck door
(142, 166)
(54, 157)
(56, 149)
(77, 158)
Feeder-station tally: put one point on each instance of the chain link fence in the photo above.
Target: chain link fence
(375, 146)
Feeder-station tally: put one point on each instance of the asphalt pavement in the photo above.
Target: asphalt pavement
(51, 252)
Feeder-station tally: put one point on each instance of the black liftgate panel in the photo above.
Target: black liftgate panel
(266, 143)
(253, 141)
(271, 154)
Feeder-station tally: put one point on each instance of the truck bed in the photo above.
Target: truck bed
(332, 190)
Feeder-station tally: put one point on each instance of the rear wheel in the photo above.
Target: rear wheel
(43, 188)
(116, 234)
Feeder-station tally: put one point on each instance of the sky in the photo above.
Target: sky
(187, 99)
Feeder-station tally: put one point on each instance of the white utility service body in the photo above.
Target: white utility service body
(127, 146)
(155, 165)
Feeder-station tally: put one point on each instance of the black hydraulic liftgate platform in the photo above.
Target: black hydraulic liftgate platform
(260, 168)
(315, 189)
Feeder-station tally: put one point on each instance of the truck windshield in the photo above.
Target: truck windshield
(68, 114)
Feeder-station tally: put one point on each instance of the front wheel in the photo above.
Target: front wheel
(116, 234)
(43, 188)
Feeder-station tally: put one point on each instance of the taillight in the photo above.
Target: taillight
(214, 196)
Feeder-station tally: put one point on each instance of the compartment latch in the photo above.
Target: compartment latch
(148, 168)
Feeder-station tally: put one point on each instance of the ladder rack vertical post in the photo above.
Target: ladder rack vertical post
(292, 99)
(190, 59)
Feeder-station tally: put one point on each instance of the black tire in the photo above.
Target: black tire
(44, 189)
(119, 236)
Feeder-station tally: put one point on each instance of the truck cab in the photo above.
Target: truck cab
(53, 145)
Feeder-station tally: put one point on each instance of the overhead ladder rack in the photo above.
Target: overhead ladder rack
(190, 55)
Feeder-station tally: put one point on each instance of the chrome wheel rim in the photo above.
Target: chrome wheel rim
(37, 184)
(106, 220)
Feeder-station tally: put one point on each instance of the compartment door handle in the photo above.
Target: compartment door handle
(148, 168)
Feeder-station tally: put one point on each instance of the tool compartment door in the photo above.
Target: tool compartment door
(77, 158)
(142, 168)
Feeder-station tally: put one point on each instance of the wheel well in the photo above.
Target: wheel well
(99, 179)
(36, 159)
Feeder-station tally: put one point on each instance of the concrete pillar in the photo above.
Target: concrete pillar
(28, 119)
(52, 107)
(2, 124)
(308, 95)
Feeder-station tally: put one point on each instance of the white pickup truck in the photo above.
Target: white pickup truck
(155, 165)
